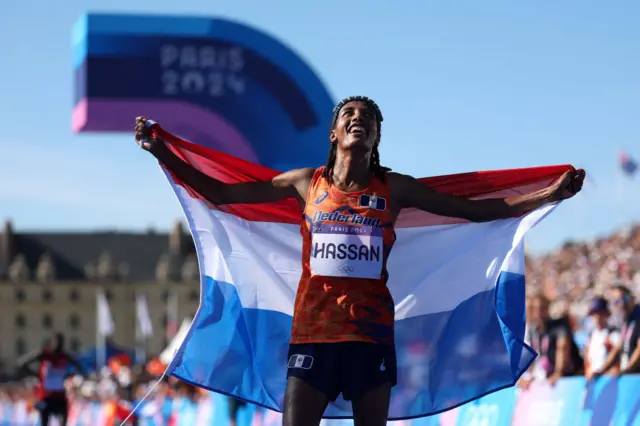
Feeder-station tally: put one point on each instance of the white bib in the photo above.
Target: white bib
(346, 251)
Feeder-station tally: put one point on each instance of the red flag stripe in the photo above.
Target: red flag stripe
(230, 169)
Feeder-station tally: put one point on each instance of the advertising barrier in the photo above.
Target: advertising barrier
(543, 405)
(572, 402)
(494, 409)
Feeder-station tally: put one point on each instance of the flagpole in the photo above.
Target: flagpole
(623, 197)
(142, 328)
(141, 346)
(618, 185)
(138, 330)
(172, 315)
(101, 338)
(104, 327)
(143, 349)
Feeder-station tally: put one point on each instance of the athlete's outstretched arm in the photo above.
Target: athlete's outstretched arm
(291, 184)
(409, 192)
(25, 364)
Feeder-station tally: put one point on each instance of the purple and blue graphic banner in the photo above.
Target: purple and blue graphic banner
(219, 83)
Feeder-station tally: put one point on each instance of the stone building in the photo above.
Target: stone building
(49, 282)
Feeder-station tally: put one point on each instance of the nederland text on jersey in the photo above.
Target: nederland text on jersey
(458, 289)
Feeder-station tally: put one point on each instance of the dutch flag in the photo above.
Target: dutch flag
(459, 289)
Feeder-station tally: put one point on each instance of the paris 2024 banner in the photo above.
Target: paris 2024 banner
(215, 82)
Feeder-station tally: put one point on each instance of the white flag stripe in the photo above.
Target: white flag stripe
(267, 254)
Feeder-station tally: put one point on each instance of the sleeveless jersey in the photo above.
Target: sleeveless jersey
(53, 371)
(346, 240)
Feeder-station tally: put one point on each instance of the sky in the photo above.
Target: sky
(464, 86)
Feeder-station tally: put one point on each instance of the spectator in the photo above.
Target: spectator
(235, 405)
(553, 340)
(627, 351)
(602, 339)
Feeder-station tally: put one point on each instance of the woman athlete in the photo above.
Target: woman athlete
(342, 337)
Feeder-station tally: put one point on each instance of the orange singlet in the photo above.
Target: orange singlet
(346, 240)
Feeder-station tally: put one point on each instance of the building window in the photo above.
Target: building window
(47, 296)
(74, 321)
(164, 296)
(20, 295)
(20, 347)
(109, 295)
(47, 322)
(21, 321)
(194, 296)
(75, 345)
(74, 296)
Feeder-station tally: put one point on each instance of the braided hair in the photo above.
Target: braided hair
(375, 167)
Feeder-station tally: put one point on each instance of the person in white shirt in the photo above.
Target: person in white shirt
(602, 338)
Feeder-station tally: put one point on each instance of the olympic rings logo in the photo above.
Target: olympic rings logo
(346, 269)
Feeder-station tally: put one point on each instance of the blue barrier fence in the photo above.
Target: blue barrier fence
(572, 402)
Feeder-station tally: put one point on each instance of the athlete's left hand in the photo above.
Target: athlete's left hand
(567, 185)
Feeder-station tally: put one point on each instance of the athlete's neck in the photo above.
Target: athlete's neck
(351, 172)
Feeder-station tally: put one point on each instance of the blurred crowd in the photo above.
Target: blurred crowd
(52, 384)
(577, 272)
(106, 398)
(582, 318)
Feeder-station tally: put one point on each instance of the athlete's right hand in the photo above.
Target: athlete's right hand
(144, 133)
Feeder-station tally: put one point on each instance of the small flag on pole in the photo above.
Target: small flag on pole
(142, 313)
(628, 164)
(104, 328)
(105, 321)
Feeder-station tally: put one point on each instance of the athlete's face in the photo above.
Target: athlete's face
(356, 127)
